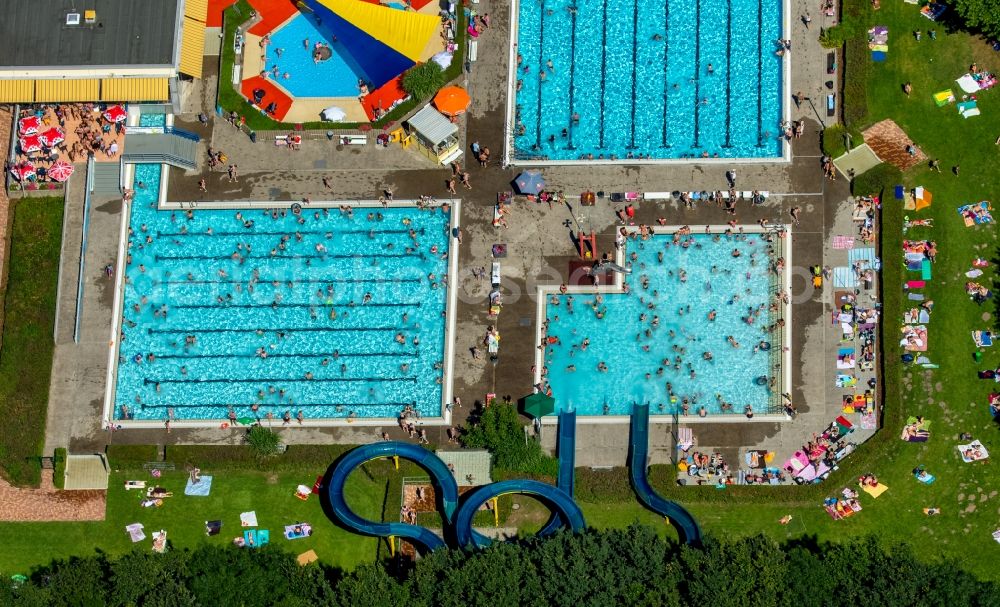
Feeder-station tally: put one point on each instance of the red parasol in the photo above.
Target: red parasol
(23, 171)
(30, 143)
(115, 113)
(60, 170)
(52, 137)
(29, 125)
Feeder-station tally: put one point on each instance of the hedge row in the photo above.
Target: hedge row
(877, 180)
(59, 468)
(225, 457)
(856, 63)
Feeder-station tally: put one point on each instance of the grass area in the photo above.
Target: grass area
(229, 98)
(26, 351)
(270, 495)
(951, 395)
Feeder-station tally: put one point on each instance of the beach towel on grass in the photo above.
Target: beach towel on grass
(248, 519)
(875, 491)
(983, 339)
(973, 452)
(975, 214)
(135, 532)
(924, 477)
(201, 489)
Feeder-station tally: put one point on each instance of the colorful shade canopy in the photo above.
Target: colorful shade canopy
(383, 42)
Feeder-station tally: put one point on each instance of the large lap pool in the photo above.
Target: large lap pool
(658, 79)
(265, 313)
(700, 327)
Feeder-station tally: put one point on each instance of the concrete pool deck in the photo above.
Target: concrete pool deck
(539, 249)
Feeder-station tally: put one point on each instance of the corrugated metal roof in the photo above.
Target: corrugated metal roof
(432, 125)
(17, 91)
(134, 89)
(196, 9)
(67, 90)
(125, 32)
(192, 47)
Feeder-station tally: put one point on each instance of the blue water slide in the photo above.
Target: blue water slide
(553, 497)
(681, 519)
(567, 463)
(444, 485)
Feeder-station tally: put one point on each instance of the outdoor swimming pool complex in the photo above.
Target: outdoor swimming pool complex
(661, 332)
(321, 312)
(636, 74)
(335, 77)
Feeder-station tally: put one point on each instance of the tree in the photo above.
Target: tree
(423, 80)
(980, 15)
(499, 430)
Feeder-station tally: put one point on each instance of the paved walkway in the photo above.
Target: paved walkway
(47, 503)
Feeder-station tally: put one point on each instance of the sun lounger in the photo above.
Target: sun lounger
(495, 273)
(831, 62)
(875, 491)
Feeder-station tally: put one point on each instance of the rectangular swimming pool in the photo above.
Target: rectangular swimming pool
(701, 328)
(265, 313)
(650, 79)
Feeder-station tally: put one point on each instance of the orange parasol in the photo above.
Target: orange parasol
(452, 100)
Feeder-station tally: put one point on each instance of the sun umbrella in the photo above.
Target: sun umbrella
(23, 171)
(530, 182)
(115, 113)
(29, 125)
(60, 170)
(452, 100)
(30, 143)
(52, 137)
(539, 405)
(334, 114)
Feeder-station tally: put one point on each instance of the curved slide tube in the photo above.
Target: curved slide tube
(554, 497)
(444, 485)
(686, 525)
(567, 462)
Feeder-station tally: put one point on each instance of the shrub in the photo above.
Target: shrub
(877, 180)
(59, 471)
(423, 80)
(833, 140)
(263, 442)
(499, 430)
(604, 486)
(131, 457)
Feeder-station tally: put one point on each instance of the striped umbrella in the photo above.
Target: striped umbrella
(60, 170)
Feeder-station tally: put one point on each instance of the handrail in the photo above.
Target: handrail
(170, 130)
(159, 159)
(83, 247)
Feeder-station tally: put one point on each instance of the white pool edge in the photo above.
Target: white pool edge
(542, 293)
(508, 132)
(447, 380)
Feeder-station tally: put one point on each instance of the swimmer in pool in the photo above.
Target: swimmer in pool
(711, 315)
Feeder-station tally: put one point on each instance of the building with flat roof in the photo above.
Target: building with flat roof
(99, 50)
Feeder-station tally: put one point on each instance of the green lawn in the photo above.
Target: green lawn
(26, 352)
(270, 495)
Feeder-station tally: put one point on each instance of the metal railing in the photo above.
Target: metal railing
(159, 159)
(83, 248)
(170, 130)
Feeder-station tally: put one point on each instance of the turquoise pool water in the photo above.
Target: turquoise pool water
(334, 77)
(636, 72)
(659, 333)
(325, 297)
(152, 119)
